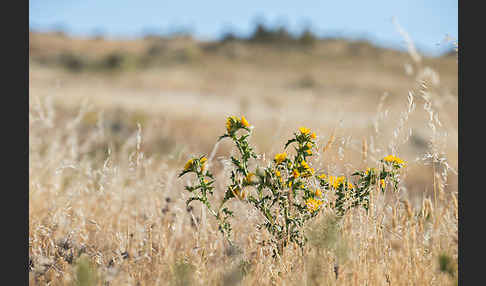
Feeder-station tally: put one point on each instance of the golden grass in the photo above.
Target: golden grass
(105, 203)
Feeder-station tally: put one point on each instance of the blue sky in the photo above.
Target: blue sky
(428, 22)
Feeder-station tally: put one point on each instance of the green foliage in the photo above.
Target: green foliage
(263, 34)
(325, 234)
(72, 62)
(446, 265)
(229, 37)
(86, 274)
(112, 61)
(308, 38)
(183, 274)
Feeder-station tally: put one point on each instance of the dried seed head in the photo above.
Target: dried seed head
(329, 142)
(428, 208)
(364, 150)
(408, 208)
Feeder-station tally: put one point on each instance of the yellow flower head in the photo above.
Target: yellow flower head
(304, 130)
(369, 170)
(393, 159)
(244, 122)
(230, 121)
(249, 177)
(382, 183)
(350, 186)
(313, 135)
(296, 173)
(340, 180)
(322, 176)
(309, 152)
(309, 145)
(313, 204)
(278, 173)
(335, 182)
(279, 158)
(318, 193)
(203, 162)
(331, 180)
(188, 165)
(304, 164)
(240, 194)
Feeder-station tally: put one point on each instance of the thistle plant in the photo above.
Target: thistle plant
(283, 191)
(203, 186)
(349, 195)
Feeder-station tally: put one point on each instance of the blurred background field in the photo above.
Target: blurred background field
(181, 89)
(112, 121)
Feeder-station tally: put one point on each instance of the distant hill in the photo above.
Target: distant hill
(273, 64)
(59, 49)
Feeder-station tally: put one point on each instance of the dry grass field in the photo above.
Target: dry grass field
(112, 123)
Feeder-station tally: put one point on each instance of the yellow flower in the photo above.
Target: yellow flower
(304, 130)
(249, 177)
(331, 180)
(313, 204)
(350, 186)
(240, 194)
(335, 182)
(244, 122)
(279, 158)
(322, 176)
(277, 173)
(203, 161)
(229, 122)
(304, 164)
(309, 145)
(296, 173)
(313, 135)
(318, 193)
(369, 170)
(206, 181)
(308, 173)
(393, 159)
(382, 183)
(309, 152)
(188, 165)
